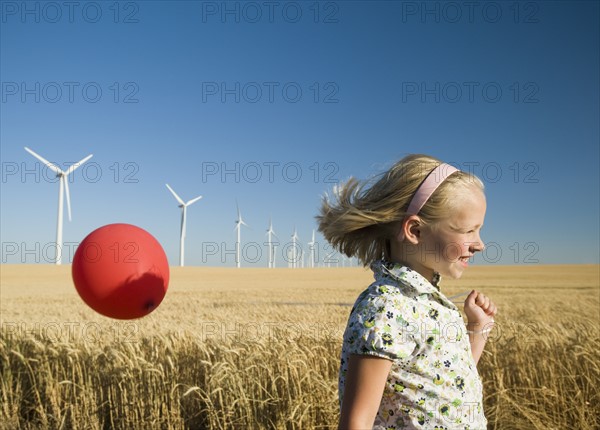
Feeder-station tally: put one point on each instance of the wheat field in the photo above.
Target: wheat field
(259, 349)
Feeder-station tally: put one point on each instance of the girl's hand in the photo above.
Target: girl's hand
(479, 309)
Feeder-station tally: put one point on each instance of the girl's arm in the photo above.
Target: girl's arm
(363, 389)
(478, 340)
(480, 311)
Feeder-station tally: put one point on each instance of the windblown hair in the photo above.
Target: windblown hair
(362, 217)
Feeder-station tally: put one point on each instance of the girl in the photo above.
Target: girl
(407, 361)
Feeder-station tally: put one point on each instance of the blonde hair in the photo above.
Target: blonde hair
(364, 216)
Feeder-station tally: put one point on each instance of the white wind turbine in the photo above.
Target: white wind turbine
(290, 257)
(270, 234)
(275, 255)
(183, 205)
(63, 188)
(311, 248)
(238, 226)
(294, 250)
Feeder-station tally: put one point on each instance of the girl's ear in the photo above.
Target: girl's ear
(410, 230)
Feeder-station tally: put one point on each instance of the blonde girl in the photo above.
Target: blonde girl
(408, 360)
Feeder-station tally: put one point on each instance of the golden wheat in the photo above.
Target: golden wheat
(259, 349)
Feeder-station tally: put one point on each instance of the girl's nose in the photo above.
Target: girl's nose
(477, 245)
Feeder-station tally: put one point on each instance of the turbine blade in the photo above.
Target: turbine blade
(68, 194)
(175, 195)
(193, 201)
(72, 167)
(48, 164)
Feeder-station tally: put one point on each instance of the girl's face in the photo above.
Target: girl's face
(447, 246)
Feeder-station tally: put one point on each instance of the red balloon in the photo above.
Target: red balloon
(121, 271)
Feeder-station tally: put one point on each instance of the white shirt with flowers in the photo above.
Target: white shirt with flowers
(433, 382)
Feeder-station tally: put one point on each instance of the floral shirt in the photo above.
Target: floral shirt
(433, 382)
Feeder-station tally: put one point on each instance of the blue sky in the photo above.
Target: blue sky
(270, 104)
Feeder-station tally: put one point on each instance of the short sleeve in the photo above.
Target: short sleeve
(379, 326)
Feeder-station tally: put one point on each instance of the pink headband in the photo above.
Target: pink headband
(429, 185)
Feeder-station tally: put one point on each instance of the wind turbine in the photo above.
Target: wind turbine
(270, 234)
(183, 205)
(311, 248)
(294, 250)
(239, 222)
(62, 189)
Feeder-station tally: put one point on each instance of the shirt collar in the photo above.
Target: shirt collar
(404, 275)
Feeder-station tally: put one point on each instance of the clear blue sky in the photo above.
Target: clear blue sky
(293, 96)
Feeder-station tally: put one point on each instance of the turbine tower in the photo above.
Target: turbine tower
(183, 205)
(294, 249)
(63, 188)
(270, 234)
(239, 222)
(311, 248)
